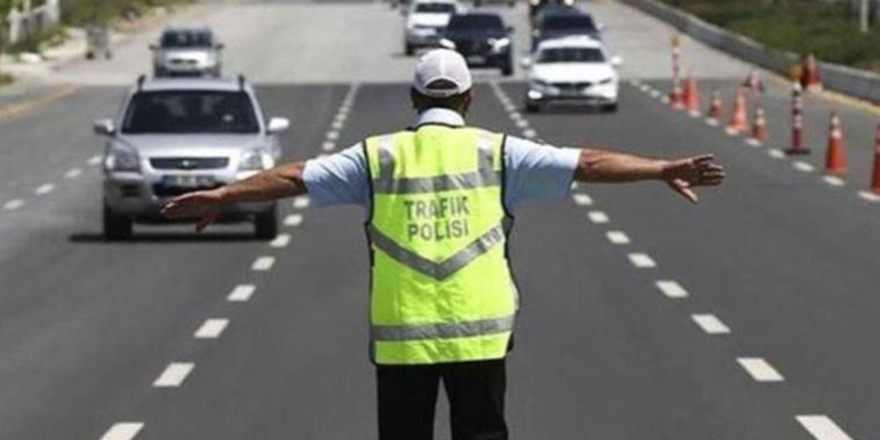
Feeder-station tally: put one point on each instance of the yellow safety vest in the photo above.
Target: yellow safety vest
(441, 287)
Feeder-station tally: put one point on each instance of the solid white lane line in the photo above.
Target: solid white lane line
(301, 202)
(241, 293)
(803, 166)
(582, 199)
(821, 427)
(776, 153)
(834, 180)
(869, 196)
(174, 375)
(293, 220)
(760, 369)
(617, 237)
(123, 431)
(44, 189)
(328, 146)
(13, 204)
(94, 160)
(598, 217)
(211, 329)
(710, 324)
(642, 261)
(73, 173)
(263, 263)
(671, 289)
(282, 240)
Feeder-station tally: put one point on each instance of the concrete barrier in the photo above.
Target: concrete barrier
(855, 82)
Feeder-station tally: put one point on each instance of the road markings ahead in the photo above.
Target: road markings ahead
(821, 427)
(94, 160)
(776, 153)
(869, 196)
(642, 261)
(582, 200)
(123, 431)
(13, 204)
(263, 264)
(710, 324)
(598, 217)
(211, 329)
(618, 237)
(301, 202)
(242, 293)
(281, 241)
(760, 369)
(73, 173)
(671, 289)
(328, 146)
(174, 375)
(803, 166)
(293, 220)
(44, 189)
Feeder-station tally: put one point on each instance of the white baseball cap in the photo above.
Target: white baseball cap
(442, 73)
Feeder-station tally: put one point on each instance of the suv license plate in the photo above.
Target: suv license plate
(188, 181)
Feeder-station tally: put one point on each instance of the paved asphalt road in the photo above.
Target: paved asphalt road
(643, 317)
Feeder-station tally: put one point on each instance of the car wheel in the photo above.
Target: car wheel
(266, 224)
(116, 226)
(507, 69)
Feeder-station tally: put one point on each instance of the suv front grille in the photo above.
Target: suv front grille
(189, 163)
(572, 86)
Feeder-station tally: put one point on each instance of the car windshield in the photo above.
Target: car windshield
(571, 55)
(570, 23)
(435, 8)
(190, 112)
(476, 22)
(185, 39)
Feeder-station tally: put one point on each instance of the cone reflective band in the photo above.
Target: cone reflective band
(835, 156)
(875, 177)
(797, 122)
(759, 126)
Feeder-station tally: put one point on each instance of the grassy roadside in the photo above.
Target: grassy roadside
(800, 26)
(83, 12)
(6, 79)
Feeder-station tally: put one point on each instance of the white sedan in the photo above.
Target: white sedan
(574, 69)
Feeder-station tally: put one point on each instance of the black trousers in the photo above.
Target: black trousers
(475, 390)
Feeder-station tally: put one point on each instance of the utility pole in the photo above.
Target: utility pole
(864, 10)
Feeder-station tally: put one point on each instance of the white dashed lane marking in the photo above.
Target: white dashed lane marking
(869, 196)
(803, 166)
(582, 199)
(280, 241)
(522, 123)
(328, 146)
(263, 264)
(332, 135)
(174, 375)
(642, 261)
(94, 160)
(821, 427)
(776, 153)
(834, 180)
(123, 431)
(73, 173)
(242, 293)
(710, 324)
(44, 189)
(301, 202)
(617, 237)
(671, 289)
(711, 122)
(293, 220)
(12, 205)
(211, 329)
(529, 133)
(760, 369)
(598, 217)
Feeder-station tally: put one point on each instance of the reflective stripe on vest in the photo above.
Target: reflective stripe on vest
(441, 286)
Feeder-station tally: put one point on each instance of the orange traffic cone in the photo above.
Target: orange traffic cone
(812, 77)
(692, 96)
(835, 157)
(875, 178)
(759, 127)
(739, 121)
(715, 107)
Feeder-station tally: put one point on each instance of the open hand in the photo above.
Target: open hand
(199, 204)
(685, 174)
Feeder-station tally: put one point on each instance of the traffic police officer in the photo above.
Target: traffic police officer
(439, 198)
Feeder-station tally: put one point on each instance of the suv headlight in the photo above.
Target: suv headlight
(254, 160)
(123, 160)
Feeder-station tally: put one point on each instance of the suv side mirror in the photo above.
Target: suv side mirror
(104, 127)
(277, 125)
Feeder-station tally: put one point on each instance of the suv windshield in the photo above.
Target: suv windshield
(571, 55)
(190, 112)
(570, 23)
(435, 8)
(184, 39)
(476, 23)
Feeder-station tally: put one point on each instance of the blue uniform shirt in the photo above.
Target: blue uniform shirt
(533, 171)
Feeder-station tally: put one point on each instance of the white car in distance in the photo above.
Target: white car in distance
(572, 70)
(426, 21)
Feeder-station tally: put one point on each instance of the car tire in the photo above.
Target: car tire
(609, 108)
(266, 224)
(533, 107)
(117, 227)
(507, 69)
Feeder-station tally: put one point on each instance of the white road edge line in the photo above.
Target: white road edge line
(262, 264)
(642, 260)
(174, 375)
(710, 324)
(760, 369)
(123, 431)
(617, 237)
(211, 328)
(293, 220)
(671, 289)
(282, 240)
(821, 427)
(242, 293)
(598, 217)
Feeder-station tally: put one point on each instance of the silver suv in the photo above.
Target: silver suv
(187, 52)
(175, 136)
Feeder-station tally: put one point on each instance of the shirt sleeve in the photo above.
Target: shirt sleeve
(537, 171)
(338, 179)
